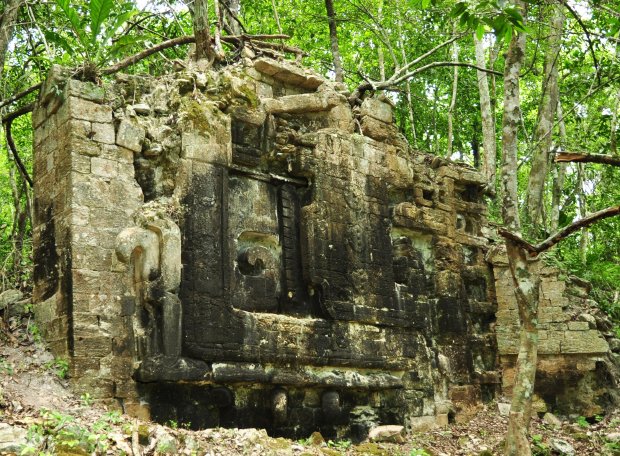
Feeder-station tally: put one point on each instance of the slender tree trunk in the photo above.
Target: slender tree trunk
(217, 38)
(510, 127)
(583, 210)
(488, 119)
(380, 56)
(230, 16)
(434, 147)
(7, 23)
(546, 114)
(559, 175)
(201, 30)
(333, 38)
(613, 137)
(526, 283)
(407, 85)
(455, 84)
(527, 286)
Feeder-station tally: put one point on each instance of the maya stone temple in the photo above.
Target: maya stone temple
(241, 248)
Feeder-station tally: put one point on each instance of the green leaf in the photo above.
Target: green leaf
(458, 9)
(118, 22)
(464, 18)
(480, 31)
(121, 45)
(508, 33)
(58, 40)
(426, 3)
(99, 13)
(514, 14)
(74, 19)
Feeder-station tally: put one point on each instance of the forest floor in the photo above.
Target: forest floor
(39, 415)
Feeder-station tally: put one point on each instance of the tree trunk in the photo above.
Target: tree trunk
(455, 82)
(583, 210)
(407, 85)
(217, 38)
(230, 15)
(510, 127)
(527, 295)
(613, 137)
(7, 23)
(526, 284)
(546, 113)
(488, 120)
(380, 55)
(333, 38)
(201, 30)
(559, 175)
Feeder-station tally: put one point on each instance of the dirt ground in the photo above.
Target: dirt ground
(39, 416)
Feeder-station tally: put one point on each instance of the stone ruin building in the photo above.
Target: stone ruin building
(241, 248)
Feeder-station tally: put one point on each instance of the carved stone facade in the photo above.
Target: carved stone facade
(241, 248)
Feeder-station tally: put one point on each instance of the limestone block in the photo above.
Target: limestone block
(588, 318)
(589, 341)
(551, 314)
(197, 147)
(377, 129)
(578, 325)
(96, 347)
(102, 132)
(251, 116)
(92, 257)
(84, 146)
(88, 110)
(103, 167)
(302, 103)
(142, 109)
(400, 169)
(550, 345)
(288, 73)
(507, 345)
(377, 109)
(341, 117)
(130, 135)
(80, 164)
(387, 433)
(86, 90)
(79, 215)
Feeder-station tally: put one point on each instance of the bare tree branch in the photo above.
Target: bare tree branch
(585, 30)
(184, 40)
(586, 158)
(18, 161)
(562, 234)
(429, 53)
(20, 95)
(259, 40)
(395, 80)
(10, 117)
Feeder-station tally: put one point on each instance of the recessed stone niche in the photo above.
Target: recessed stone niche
(240, 248)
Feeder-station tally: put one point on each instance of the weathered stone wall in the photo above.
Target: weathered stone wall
(576, 370)
(85, 194)
(241, 248)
